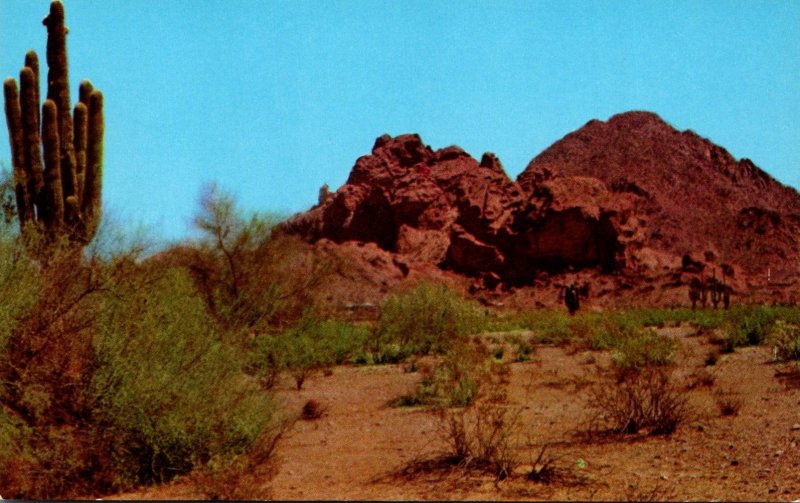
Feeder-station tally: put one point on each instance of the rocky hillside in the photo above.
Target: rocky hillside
(631, 206)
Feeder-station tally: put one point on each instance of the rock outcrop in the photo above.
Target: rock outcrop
(630, 200)
(440, 207)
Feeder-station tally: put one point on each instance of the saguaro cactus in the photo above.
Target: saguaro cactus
(57, 154)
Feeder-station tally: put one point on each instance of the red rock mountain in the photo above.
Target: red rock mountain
(630, 205)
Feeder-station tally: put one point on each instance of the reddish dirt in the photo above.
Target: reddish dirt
(358, 448)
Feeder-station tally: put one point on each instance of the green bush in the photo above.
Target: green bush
(643, 348)
(748, 326)
(522, 346)
(19, 285)
(310, 344)
(454, 381)
(429, 318)
(785, 340)
(167, 393)
(343, 340)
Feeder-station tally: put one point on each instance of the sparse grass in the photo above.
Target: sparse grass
(543, 468)
(548, 327)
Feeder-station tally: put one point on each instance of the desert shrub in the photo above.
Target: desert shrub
(112, 372)
(167, 394)
(641, 348)
(16, 460)
(482, 437)
(453, 381)
(748, 326)
(241, 476)
(312, 409)
(292, 351)
(389, 354)
(645, 400)
(711, 358)
(268, 358)
(429, 318)
(19, 283)
(785, 340)
(727, 402)
(632, 345)
(342, 340)
(47, 314)
(250, 279)
(638, 491)
(310, 344)
(522, 347)
(614, 330)
(498, 352)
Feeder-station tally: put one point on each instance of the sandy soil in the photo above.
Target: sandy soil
(360, 446)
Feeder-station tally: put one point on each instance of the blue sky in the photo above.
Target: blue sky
(272, 99)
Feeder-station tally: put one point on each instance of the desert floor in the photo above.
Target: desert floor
(365, 448)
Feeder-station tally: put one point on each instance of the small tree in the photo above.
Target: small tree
(226, 265)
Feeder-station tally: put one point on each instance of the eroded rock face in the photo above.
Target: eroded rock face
(444, 208)
(630, 196)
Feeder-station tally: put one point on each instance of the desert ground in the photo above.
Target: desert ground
(365, 447)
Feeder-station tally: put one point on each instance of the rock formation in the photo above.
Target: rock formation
(630, 204)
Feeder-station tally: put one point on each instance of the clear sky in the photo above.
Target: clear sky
(272, 99)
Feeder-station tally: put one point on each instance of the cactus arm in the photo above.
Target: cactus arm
(32, 62)
(79, 119)
(84, 91)
(93, 180)
(53, 198)
(30, 131)
(14, 122)
(58, 91)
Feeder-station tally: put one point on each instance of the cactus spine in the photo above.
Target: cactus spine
(57, 154)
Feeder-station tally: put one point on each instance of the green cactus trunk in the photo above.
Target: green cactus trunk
(58, 173)
(14, 121)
